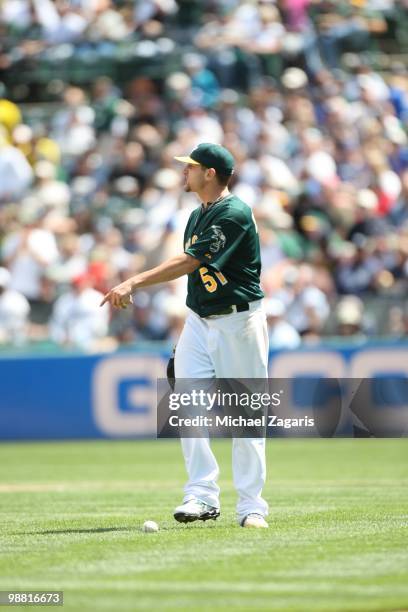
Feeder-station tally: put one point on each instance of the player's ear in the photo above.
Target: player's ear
(210, 174)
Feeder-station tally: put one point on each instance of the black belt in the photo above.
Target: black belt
(229, 310)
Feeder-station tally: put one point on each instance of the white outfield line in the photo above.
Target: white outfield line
(125, 485)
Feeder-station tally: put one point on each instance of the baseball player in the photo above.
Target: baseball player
(225, 333)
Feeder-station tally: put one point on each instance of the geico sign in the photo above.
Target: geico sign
(124, 387)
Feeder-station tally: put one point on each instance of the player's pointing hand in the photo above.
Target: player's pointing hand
(120, 296)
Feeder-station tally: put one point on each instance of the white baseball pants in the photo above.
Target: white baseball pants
(226, 346)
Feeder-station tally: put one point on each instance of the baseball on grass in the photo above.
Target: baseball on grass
(150, 527)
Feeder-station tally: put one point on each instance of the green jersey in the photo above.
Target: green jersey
(224, 238)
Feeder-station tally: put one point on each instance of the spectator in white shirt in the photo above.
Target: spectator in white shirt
(28, 253)
(282, 335)
(15, 172)
(14, 311)
(307, 306)
(77, 319)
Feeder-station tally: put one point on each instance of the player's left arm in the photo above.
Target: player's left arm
(173, 268)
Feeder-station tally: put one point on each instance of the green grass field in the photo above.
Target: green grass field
(71, 516)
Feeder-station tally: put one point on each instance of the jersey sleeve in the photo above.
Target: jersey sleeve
(217, 244)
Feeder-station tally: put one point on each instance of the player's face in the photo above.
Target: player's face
(194, 178)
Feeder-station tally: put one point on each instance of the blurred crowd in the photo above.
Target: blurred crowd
(90, 193)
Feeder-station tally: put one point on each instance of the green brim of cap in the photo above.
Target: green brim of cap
(188, 160)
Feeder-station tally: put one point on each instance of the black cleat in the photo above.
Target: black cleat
(195, 510)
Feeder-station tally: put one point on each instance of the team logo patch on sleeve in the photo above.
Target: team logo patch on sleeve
(218, 239)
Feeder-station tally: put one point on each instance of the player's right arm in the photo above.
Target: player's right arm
(173, 268)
